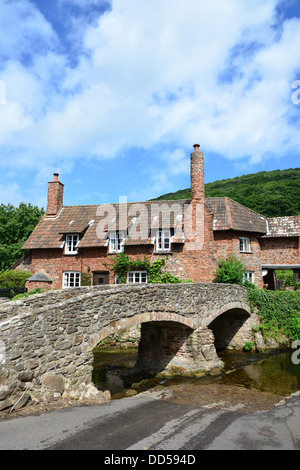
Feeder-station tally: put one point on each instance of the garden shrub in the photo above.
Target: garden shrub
(13, 278)
(230, 271)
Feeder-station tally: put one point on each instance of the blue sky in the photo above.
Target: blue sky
(112, 95)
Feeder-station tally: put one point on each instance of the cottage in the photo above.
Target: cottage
(193, 235)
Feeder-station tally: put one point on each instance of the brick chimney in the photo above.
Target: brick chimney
(197, 176)
(55, 197)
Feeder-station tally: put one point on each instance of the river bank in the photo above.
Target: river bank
(250, 383)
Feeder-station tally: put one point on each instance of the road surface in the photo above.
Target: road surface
(144, 423)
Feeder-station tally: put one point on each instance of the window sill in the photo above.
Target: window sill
(136, 284)
(247, 252)
(71, 253)
(162, 252)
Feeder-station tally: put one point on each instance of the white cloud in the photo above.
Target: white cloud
(10, 194)
(218, 72)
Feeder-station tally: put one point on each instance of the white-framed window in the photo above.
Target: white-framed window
(244, 245)
(116, 242)
(163, 240)
(249, 276)
(71, 244)
(71, 279)
(137, 277)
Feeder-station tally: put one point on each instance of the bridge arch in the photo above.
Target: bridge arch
(231, 326)
(219, 310)
(135, 320)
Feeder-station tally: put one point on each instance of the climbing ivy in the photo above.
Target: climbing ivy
(279, 311)
(122, 265)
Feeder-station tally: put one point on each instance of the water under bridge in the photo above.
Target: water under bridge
(47, 340)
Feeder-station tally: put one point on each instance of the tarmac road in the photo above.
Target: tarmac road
(144, 423)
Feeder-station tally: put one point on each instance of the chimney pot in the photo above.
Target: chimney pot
(196, 147)
(55, 176)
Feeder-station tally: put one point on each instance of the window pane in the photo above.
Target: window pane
(116, 241)
(71, 279)
(66, 278)
(112, 242)
(159, 240)
(71, 243)
(244, 244)
(166, 240)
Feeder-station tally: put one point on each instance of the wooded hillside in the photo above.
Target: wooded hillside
(270, 193)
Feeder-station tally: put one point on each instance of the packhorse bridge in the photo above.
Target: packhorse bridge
(47, 340)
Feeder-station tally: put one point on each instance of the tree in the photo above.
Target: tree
(16, 224)
(270, 193)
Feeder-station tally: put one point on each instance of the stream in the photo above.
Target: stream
(272, 372)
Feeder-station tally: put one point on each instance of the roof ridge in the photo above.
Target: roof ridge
(228, 213)
(283, 217)
(248, 208)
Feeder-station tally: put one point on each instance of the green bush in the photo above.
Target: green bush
(37, 290)
(13, 278)
(287, 276)
(231, 271)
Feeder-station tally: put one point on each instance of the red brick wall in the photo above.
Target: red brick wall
(283, 250)
(33, 285)
(227, 244)
(55, 197)
(199, 265)
(54, 262)
(197, 177)
(196, 264)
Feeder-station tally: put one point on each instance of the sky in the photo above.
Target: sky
(112, 94)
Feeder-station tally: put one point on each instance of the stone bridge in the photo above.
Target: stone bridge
(47, 340)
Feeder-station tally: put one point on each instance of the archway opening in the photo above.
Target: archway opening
(114, 360)
(121, 359)
(230, 330)
(163, 347)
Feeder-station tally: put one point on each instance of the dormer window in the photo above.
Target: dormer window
(71, 244)
(116, 242)
(244, 245)
(163, 240)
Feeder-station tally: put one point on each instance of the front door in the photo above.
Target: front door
(100, 278)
